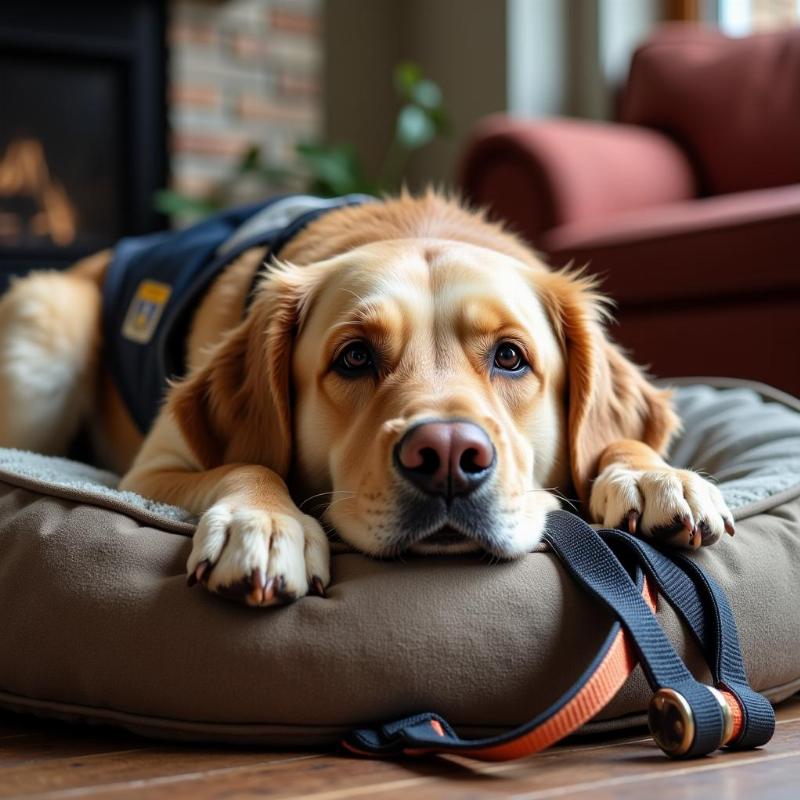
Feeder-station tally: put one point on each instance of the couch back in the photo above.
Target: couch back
(732, 104)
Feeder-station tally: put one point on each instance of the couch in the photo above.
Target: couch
(688, 207)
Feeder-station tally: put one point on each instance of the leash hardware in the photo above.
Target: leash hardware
(671, 722)
(727, 715)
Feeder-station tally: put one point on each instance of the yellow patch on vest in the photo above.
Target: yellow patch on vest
(145, 311)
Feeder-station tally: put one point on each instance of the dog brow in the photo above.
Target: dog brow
(484, 317)
(376, 320)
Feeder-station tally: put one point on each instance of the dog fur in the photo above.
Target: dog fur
(262, 430)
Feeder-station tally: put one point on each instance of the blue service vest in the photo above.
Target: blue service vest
(154, 283)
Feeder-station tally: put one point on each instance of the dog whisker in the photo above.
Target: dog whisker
(324, 494)
(558, 495)
(341, 500)
(328, 528)
(325, 507)
(344, 514)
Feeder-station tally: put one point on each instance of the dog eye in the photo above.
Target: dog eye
(355, 358)
(509, 358)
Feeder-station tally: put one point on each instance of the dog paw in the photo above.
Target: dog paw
(259, 557)
(672, 506)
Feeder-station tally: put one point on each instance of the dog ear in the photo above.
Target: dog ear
(608, 396)
(237, 407)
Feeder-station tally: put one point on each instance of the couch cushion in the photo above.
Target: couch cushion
(733, 104)
(697, 249)
(539, 176)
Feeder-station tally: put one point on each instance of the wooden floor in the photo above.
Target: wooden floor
(52, 760)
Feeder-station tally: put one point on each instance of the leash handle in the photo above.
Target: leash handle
(687, 718)
(703, 606)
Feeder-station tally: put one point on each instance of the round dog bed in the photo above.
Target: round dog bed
(97, 623)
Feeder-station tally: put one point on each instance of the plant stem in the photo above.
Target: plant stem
(393, 166)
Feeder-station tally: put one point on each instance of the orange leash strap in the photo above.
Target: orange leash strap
(592, 697)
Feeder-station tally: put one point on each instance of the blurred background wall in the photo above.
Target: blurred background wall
(274, 72)
(527, 57)
(460, 43)
(241, 73)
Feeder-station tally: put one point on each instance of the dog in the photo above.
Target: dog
(407, 365)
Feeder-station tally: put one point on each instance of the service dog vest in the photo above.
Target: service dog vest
(154, 284)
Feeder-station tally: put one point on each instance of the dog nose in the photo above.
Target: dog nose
(445, 458)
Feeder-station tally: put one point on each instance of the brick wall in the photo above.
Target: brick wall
(241, 72)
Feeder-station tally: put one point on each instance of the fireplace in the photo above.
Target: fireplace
(83, 128)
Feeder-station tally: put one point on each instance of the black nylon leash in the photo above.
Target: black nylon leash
(688, 718)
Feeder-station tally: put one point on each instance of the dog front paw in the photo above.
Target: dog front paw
(673, 506)
(259, 557)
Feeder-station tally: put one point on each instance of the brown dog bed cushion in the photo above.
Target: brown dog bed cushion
(97, 622)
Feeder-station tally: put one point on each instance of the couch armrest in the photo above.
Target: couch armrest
(538, 175)
(699, 252)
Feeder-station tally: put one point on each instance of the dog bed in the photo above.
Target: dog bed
(98, 625)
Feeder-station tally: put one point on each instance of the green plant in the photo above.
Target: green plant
(333, 169)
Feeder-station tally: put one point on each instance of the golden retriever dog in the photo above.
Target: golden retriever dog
(412, 369)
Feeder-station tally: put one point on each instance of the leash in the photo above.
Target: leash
(687, 718)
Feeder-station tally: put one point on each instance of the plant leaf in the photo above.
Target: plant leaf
(427, 94)
(168, 201)
(407, 75)
(250, 160)
(441, 121)
(334, 170)
(414, 127)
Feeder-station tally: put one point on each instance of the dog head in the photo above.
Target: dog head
(426, 394)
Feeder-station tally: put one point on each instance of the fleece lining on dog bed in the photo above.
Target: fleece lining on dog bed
(97, 622)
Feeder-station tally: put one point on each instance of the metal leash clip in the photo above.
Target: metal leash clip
(672, 723)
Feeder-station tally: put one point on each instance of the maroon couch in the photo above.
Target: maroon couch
(689, 206)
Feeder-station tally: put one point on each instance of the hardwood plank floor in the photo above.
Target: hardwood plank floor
(51, 761)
